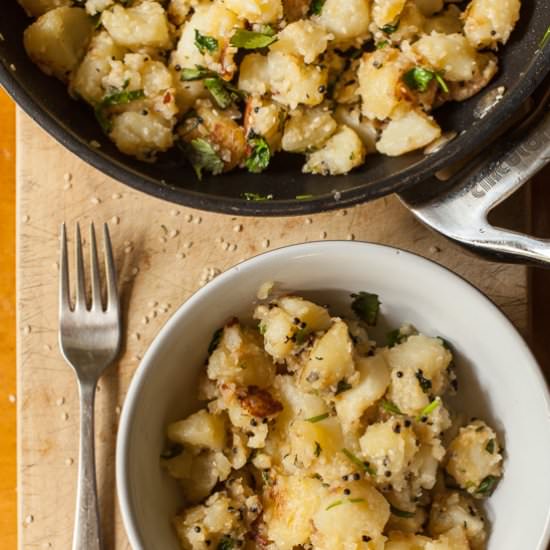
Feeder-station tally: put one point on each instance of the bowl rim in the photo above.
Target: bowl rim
(138, 378)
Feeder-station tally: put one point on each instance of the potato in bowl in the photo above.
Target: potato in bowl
(165, 388)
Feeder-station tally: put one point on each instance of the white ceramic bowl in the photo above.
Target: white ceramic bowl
(499, 378)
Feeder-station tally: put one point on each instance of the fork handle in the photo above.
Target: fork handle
(87, 530)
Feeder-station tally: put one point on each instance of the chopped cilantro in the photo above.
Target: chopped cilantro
(260, 155)
(390, 28)
(395, 337)
(117, 98)
(202, 156)
(223, 92)
(250, 40)
(429, 408)
(172, 451)
(391, 407)
(419, 79)
(216, 337)
(358, 462)
(226, 543)
(487, 486)
(342, 386)
(490, 447)
(545, 38)
(205, 43)
(303, 197)
(334, 504)
(316, 7)
(401, 513)
(366, 306)
(381, 44)
(198, 73)
(318, 418)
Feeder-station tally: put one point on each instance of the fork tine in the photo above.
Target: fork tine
(80, 302)
(94, 268)
(64, 292)
(110, 271)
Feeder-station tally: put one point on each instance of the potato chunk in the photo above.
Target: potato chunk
(139, 26)
(293, 83)
(240, 358)
(374, 378)
(405, 541)
(341, 522)
(455, 539)
(307, 129)
(57, 40)
(389, 447)
(346, 20)
(343, 152)
(256, 11)
(215, 21)
(418, 368)
(218, 128)
(141, 136)
(488, 22)
(380, 84)
(452, 509)
(304, 38)
(330, 359)
(254, 74)
(87, 79)
(475, 460)
(202, 430)
(265, 118)
(40, 7)
(288, 513)
(450, 54)
(367, 130)
(408, 132)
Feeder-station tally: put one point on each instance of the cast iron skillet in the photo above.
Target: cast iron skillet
(523, 65)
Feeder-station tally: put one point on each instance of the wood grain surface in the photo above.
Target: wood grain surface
(8, 495)
(164, 253)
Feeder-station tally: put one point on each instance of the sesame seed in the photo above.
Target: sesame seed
(145, 320)
(65, 416)
(180, 255)
(12, 398)
(29, 519)
(188, 218)
(174, 213)
(135, 270)
(173, 233)
(308, 221)
(116, 196)
(434, 249)
(95, 200)
(117, 409)
(323, 235)
(115, 220)
(197, 220)
(26, 218)
(238, 228)
(27, 329)
(60, 401)
(69, 461)
(233, 247)
(350, 237)
(128, 249)
(265, 243)
(162, 239)
(67, 186)
(188, 244)
(47, 347)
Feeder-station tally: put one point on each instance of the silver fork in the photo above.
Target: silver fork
(89, 339)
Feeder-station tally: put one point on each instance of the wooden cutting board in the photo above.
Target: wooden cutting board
(164, 253)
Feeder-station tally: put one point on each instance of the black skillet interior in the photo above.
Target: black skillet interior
(523, 65)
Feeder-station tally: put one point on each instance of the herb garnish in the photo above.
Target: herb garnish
(382, 44)
(545, 38)
(318, 449)
(487, 486)
(357, 461)
(257, 197)
(391, 407)
(390, 28)
(223, 92)
(425, 383)
(419, 79)
(216, 337)
(318, 418)
(342, 386)
(366, 306)
(205, 43)
(395, 337)
(172, 451)
(250, 40)
(334, 504)
(401, 513)
(226, 543)
(265, 477)
(303, 197)
(262, 328)
(429, 408)
(356, 500)
(202, 156)
(316, 7)
(490, 447)
(117, 98)
(260, 155)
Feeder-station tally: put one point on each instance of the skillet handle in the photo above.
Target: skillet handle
(460, 213)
